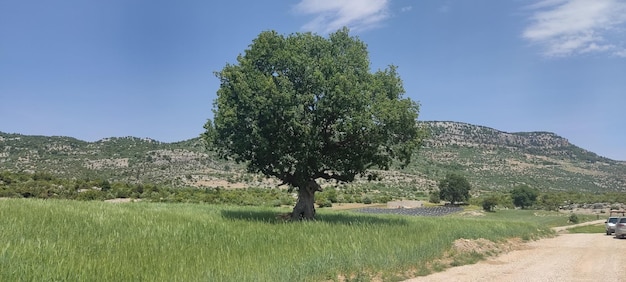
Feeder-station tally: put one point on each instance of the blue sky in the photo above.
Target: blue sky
(144, 68)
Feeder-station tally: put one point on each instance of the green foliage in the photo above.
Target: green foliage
(367, 200)
(302, 107)
(434, 197)
(324, 203)
(544, 218)
(573, 218)
(549, 201)
(24, 185)
(523, 196)
(490, 203)
(587, 229)
(91, 195)
(454, 188)
(329, 194)
(491, 158)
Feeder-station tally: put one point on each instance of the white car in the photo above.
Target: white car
(620, 227)
(609, 225)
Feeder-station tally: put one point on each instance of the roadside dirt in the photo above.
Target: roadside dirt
(566, 257)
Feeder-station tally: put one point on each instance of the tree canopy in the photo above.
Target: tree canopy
(303, 107)
(490, 202)
(454, 188)
(523, 196)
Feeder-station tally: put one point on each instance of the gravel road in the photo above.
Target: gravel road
(567, 257)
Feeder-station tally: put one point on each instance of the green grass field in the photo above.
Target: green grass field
(57, 240)
(588, 229)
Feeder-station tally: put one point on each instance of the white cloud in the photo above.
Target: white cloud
(570, 27)
(406, 9)
(331, 15)
(620, 53)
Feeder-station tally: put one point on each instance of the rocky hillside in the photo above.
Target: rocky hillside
(490, 159)
(495, 160)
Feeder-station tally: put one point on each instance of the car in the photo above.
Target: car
(609, 224)
(620, 227)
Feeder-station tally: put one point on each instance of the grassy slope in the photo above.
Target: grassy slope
(50, 240)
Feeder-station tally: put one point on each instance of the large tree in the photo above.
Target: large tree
(303, 107)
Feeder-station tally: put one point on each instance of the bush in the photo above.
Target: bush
(434, 197)
(366, 200)
(348, 199)
(573, 218)
(90, 195)
(331, 194)
(490, 203)
(383, 199)
(326, 203)
(286, 200)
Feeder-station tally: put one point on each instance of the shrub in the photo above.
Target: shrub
(286, 200)
(490, 203)
(382, 199)
(573, 218)
(326, 203)
(434, 197)
(366, 200)
(90, 195)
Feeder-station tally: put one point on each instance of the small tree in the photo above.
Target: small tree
(490, 203)
(454, 188)
(434, 197)
(524, 196)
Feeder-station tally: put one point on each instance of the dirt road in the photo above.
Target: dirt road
(567, 257)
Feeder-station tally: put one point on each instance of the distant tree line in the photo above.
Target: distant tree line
(526, 197)
(453, 188)
(47, 186)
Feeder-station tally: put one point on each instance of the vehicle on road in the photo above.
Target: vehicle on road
(620, 227)
(609, 224)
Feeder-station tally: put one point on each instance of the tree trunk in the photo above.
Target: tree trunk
(305, 207)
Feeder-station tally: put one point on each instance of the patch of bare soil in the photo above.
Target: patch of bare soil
(567, 257)
(466, 251)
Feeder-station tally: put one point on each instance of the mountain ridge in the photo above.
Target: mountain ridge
(491, 159)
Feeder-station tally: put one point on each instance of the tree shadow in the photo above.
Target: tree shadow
(343, 218)
(359, 219)
(260, 216)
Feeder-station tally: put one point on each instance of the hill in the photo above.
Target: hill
(489, 158)
(495, 160)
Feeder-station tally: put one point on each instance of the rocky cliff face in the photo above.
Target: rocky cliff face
(445, 133)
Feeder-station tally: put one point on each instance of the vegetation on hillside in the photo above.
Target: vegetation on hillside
(480, 154)
(47, 186)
